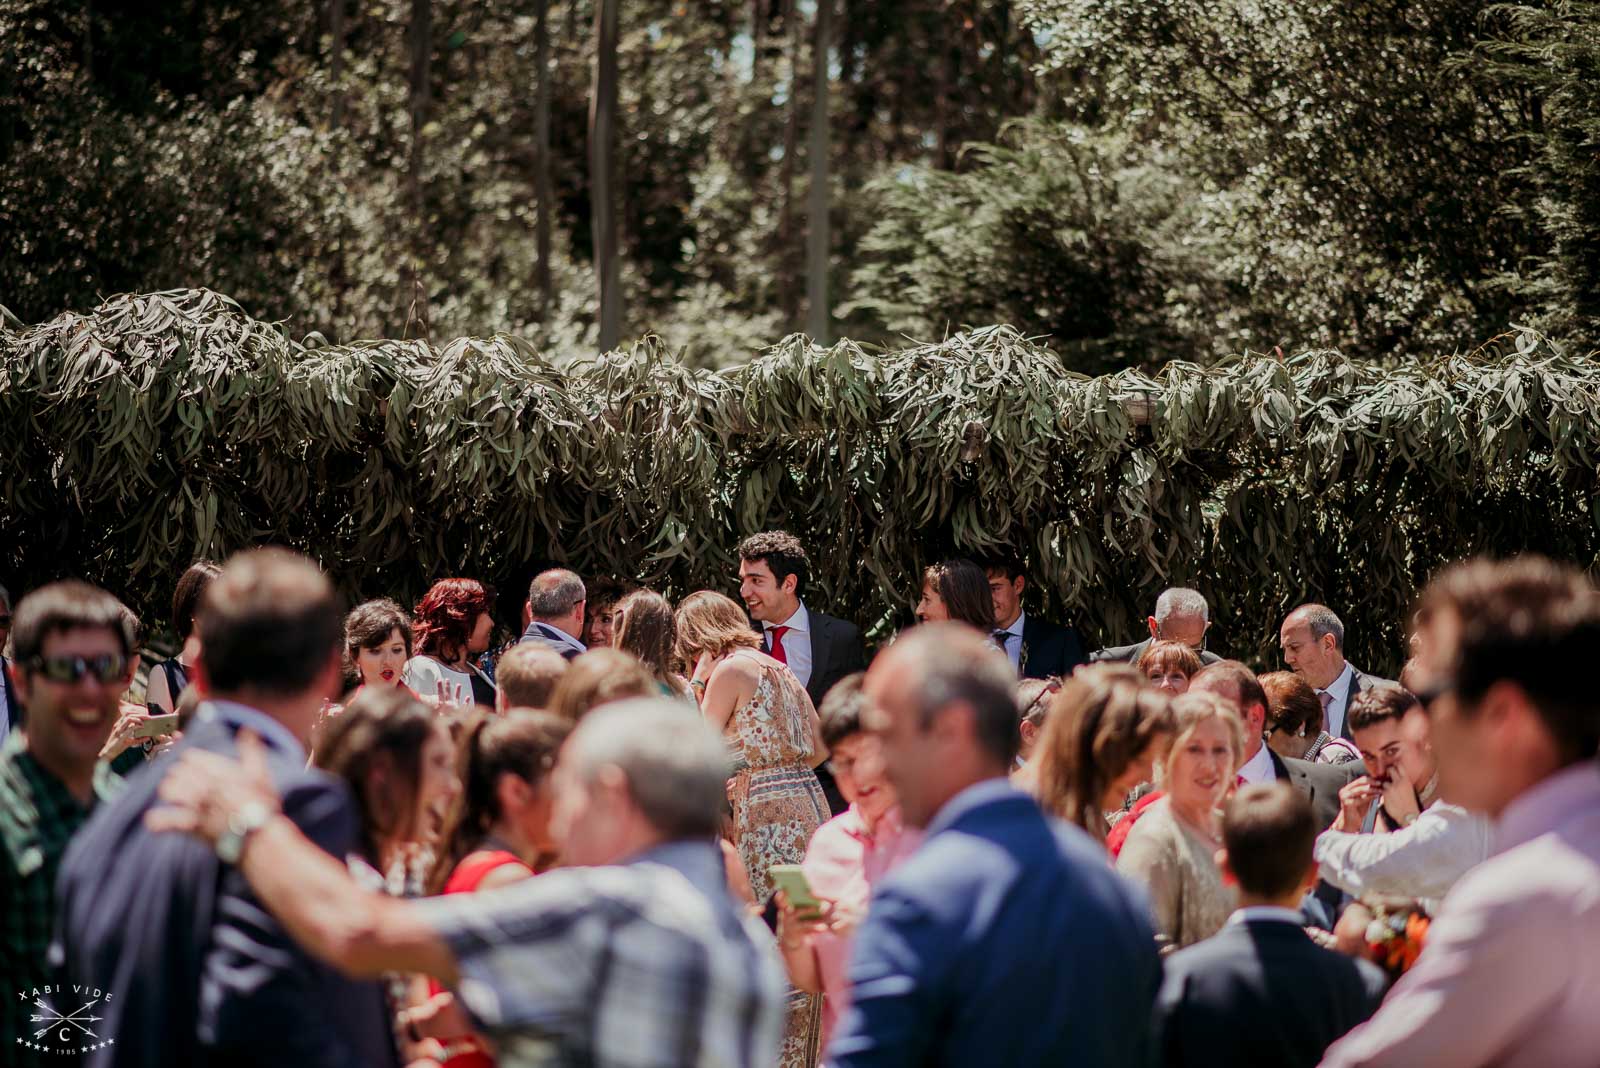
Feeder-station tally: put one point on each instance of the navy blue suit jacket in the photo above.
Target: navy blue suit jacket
(196, 971)
(1052, 649)
(1261, 992)
(1005, 940)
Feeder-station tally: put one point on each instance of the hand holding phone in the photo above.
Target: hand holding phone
(792, 881)
(155, 727)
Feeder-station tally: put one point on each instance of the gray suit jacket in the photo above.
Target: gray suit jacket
(1361, 681)
(1130, 654)
(1320, 783)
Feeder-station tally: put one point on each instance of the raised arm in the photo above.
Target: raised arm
(360, 932)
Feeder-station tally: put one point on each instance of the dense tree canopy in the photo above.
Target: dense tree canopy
(1130, 181)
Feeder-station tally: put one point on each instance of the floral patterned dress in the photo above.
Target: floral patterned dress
(777, 802)
(777, 806)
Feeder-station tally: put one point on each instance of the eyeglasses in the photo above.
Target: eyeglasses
(107, 667)
(1036, 706)
(1427, 695)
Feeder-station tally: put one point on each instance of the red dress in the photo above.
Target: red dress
(465, 879)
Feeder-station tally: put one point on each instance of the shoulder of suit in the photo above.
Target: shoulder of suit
(821, 620)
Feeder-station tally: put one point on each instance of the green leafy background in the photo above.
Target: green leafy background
(163, 427)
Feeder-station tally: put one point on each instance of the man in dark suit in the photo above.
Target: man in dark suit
(194, 969)
(965, 954)
(1312, 639)
(1319, 783)
(1036, 648)
(819, 649)
(1260, 991)
(557, 601)
(1182, 615)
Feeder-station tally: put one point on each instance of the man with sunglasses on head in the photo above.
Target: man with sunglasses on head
(73, 660)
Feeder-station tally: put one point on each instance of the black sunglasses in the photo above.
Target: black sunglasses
(107, 667)
(1427, 695)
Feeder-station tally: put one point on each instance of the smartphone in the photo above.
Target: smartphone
(792, 881)
(156, 727)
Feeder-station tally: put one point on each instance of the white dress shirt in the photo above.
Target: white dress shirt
(1510, 975)
(1339, 690)
(1421, 861)
(1275, 913)
(1259, 767)
(796, 642)
(1014, 640)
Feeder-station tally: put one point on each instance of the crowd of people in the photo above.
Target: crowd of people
(715, 833)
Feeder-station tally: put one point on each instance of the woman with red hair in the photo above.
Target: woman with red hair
(452, 626)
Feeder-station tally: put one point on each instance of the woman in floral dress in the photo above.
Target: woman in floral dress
(775, 739)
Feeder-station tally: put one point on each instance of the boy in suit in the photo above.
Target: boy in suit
(1260, 991)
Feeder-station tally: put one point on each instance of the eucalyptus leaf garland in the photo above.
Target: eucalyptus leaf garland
(164, 427)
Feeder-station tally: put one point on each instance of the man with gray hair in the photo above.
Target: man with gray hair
(635, 955)
(978, 929)
(1182, 615)
(556, 602)
(1312, 639)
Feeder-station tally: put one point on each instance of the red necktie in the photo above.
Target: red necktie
(777, 652)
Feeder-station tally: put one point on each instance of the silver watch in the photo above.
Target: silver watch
(250, 818)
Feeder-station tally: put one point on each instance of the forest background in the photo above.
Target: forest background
(1130, 181)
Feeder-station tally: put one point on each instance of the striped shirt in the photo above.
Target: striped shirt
(648, 964)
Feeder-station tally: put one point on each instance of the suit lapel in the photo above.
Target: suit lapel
(820, 634)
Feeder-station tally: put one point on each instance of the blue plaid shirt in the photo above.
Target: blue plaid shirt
(648, 964)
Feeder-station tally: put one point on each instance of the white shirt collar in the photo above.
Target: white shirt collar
(799, 621)
(1016, 628)
(1259, 767)
(1274, 913)
(1340, 687)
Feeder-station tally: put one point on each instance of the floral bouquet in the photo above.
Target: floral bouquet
(1395, 934)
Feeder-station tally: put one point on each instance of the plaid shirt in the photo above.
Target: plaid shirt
(649, 964)
(38, 816)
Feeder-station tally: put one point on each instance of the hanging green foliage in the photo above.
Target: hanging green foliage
(164, 427)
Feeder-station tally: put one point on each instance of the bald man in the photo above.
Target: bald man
(973, 929)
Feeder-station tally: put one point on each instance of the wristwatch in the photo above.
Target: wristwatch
(250, 818)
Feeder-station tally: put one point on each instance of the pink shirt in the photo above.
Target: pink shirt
(843, 863)
(1510, 973)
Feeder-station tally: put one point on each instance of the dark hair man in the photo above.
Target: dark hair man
(557, 600)
(1320, 783)
(1036, 648)
(1395, 835)
(1508, 974)
(1260, 991)
(819, 649)
(73, 661)
(1312, 638)
(635, 954)
(1181, 615)
(193, 969)
(973, 928)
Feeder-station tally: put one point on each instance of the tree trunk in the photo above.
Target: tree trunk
(603, 209)
(421, 51)
(788, 296)
(336, 63)
(817, 310)
(541, 174)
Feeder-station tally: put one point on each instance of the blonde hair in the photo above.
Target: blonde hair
(1101, 721)
(1194, 708)
(599, 677)
(708, 622)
